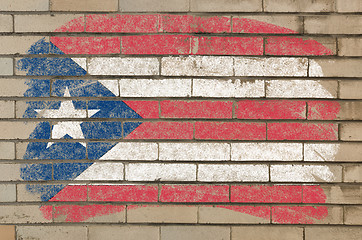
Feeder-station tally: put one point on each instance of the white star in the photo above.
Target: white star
(66, 110)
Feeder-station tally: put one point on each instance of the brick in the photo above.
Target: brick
(123, 193)
(232, 88)
(47, 23)
(7, 150)
(22, 214)
(7, 108)
(194, 193)
(335, 68)
(7, 193)
(18, 44)
(19, 5)
(52, 232)
(307, 215)
(155, 87)
(266, 194)
(6, 66)
(221, 131)
(84, 5)
(122, 23)
(343, 152)
(213, 214)
(18, 88)
(194, 232)
(275, 24)
(270, 109)
(160, 172)
(130, 232)
(88, 45)
(156, 44)
(299, 6)
(196, 109)
(352, 173)
(266, 152)
(267, 233)
(16, 130)
(351, 131)
(225, 6)
(71, 193)
(336, 24)
(352, 215)
(302, 131)
(89, 213)
(132, 151)
(10, 172)
(327, 110)
(286, 67)
(232, 173)
(154, 5)
(194, 151)
(350, 46)
(6, 23)
(161, 214)
(301, 89)
(305, 173)
(332, 233)
(7, 232)
(352, 6)
(300, 46)
(197, 66)
(99, 171)
(227, 46)
(335, 194)
(163, 130)
(123, 66)
(349, 89)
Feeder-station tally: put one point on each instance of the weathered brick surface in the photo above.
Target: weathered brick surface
(299, 6)
(332, 233)
(225, 6)
(52, 232)
(267, 233)
(247, 119)
(84, 5)
(350, 47)
(125, 232)
(349, 24)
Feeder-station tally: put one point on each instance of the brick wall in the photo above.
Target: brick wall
(224, 119)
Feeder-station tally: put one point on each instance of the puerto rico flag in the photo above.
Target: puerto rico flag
(163, 112)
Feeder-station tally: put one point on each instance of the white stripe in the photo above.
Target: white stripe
(320, 152)
(303, 173)
(132, 151)
(103, 171)
(267, 151)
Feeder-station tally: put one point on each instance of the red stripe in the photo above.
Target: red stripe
(162, 130)
(196, 109)
(266, 194)
(323, 110)
(302, 131)
(245, 25)
(156, 44)
(122, 23)
(71, 193)
(271, 109)
(230, 131)
(146, 109)
(227, 45)
(313, 194)
(194, 24)
(88, 45)
(76, 25)
(294, 46)
(192, 193)
(136, 193)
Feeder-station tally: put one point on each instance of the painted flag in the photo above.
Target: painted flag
(155, 117)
